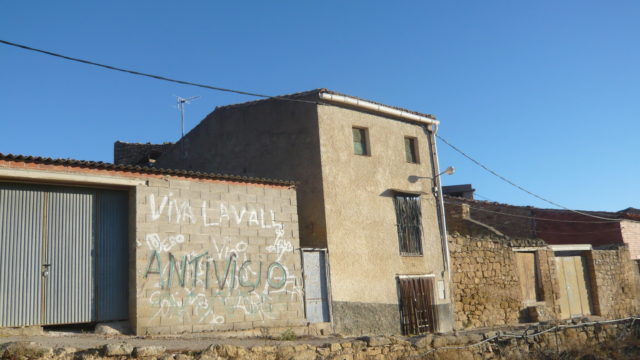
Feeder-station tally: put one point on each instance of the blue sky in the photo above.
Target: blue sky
(546, 93)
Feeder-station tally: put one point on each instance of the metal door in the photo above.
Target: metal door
(416, 305)
(20, 255)
(112, 256)
(315, 286)
(48, 261)
(69, 255)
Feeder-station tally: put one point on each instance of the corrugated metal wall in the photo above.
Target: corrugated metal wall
(112, 259)
(20, 254)
(69, 250)
(63, 255)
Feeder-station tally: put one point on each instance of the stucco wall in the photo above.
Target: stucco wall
(631, 237)
(215, 256)
(270, 138)
(362, 237)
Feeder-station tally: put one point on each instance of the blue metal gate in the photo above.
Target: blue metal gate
(315, 286)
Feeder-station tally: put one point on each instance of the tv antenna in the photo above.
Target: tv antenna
(181, 102)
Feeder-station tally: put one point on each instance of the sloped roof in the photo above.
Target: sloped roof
(140, 169)
(313, 96)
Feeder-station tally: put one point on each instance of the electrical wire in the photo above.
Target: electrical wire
(533, 217)
(516, 185)
(217, 88)
(157, 77)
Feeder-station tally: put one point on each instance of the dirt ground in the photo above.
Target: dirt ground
(193, 342)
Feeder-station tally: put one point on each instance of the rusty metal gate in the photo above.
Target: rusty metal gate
(416, 304)
(316, 298)
(59, 247)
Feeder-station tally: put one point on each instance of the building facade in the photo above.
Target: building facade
(366, 192)
(169, 251)
(507, 271)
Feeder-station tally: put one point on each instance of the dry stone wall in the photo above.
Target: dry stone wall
(616, 282)
(215, 256)
(485, 283)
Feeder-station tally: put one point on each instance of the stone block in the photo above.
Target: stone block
(377, 340)
(147, 351)
(117, 349)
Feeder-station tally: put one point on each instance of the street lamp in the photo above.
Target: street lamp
(413, 178)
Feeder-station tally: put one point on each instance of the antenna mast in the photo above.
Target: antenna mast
(181, 102)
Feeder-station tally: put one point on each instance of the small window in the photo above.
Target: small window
(411, 149)
(360, 141)
(409, 223)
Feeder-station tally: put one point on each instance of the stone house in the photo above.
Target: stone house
(170, 251)
(367, 195)
(506, 272)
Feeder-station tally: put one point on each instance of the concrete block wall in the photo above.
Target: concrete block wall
(215, 256)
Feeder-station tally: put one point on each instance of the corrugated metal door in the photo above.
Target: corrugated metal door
(69, 255)
(20, 255)
(416, 305)
(315, 286)
(63, 255)
(112, 259)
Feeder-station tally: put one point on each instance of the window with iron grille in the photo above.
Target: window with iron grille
(409, 223)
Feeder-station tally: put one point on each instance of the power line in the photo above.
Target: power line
(516, 185)
(217, 88)
(532, 217)
(157, 77)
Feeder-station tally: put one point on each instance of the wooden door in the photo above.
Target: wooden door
(526, 262)
(575, 291)
(416, 305)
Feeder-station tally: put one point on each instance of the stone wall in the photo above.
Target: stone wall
(616, 282)
(485, 287)
(215, 256)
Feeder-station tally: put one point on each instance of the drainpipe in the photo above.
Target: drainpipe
(378, 108)
(443, 226)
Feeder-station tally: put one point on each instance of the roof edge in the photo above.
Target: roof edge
(142, 169)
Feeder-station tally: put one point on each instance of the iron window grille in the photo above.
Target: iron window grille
(409, 223)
